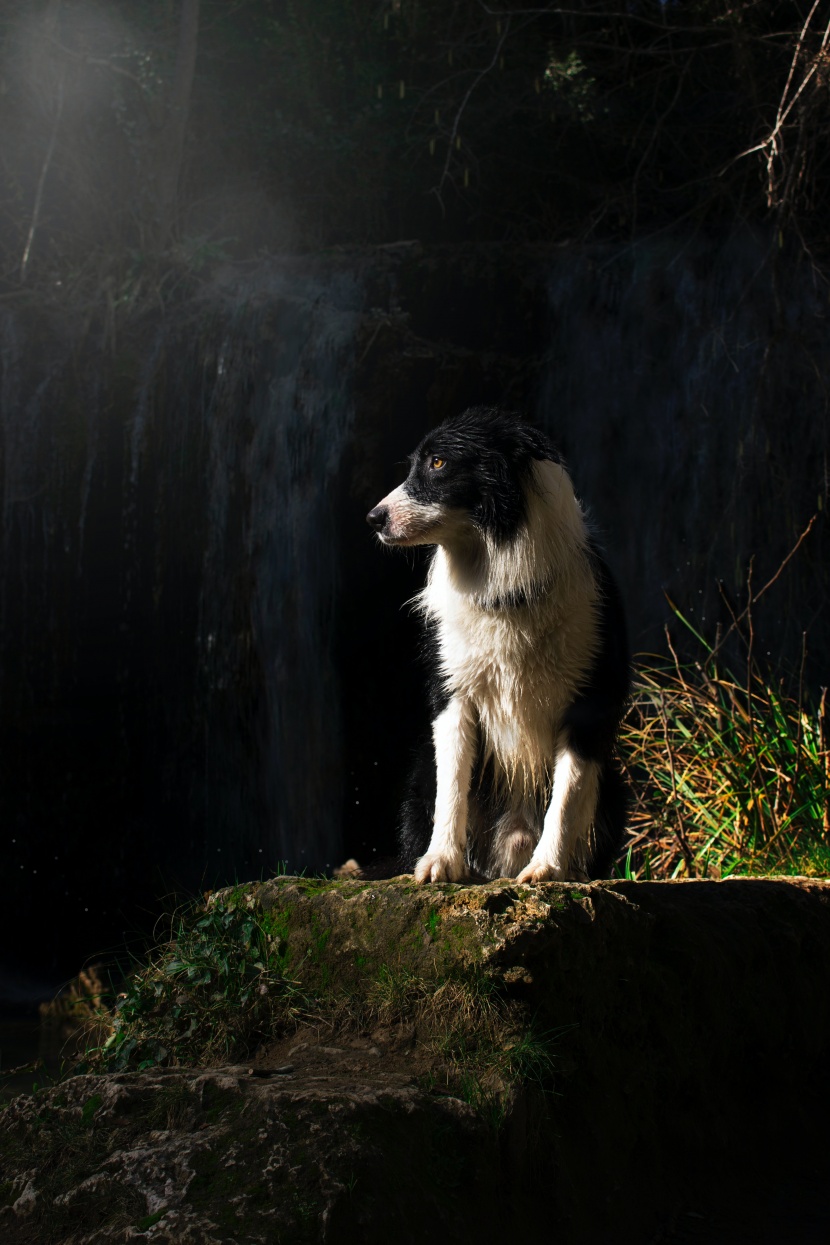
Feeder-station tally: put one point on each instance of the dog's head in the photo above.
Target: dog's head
(470, 474)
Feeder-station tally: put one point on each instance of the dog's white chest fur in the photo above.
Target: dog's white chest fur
(519, 665)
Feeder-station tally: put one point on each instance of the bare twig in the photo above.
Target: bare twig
(771, 144)
(445, 172)
(676, 659)
(678, 827)
(738, 619)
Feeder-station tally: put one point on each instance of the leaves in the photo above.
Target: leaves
(216, 988)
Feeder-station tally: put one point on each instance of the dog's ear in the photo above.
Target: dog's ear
(501, 507)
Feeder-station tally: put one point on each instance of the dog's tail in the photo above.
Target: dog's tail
(377, 871)
(609, 821)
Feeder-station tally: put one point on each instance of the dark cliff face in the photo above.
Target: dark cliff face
(688, 382)
(205, 666)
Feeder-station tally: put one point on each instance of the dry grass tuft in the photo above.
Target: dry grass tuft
(731, 774)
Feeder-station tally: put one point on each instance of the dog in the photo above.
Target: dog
(529, 665)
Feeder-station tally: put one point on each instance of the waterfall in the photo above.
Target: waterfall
(168, 593)
(277, 415)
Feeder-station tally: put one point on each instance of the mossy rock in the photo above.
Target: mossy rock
(674, 1029)
(340, 935)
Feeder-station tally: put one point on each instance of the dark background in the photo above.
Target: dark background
(249, 253)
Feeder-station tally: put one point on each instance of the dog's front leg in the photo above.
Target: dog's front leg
(454, 735)
(568, 819)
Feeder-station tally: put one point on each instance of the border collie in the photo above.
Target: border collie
(529, 661)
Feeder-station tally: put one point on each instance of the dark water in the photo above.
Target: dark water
(22, 1040)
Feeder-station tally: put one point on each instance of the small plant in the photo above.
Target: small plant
(394, 993)
(484, 1044)
(211, 994)
(731, 774)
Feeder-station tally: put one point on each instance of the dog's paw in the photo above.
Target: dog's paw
(436, 867)
(541, 871)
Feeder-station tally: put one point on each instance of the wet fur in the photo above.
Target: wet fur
(528, 661)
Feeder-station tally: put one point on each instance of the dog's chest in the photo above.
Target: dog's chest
(520, 669)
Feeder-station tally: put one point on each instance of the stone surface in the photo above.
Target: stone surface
(223, 1155)
(690, 1025)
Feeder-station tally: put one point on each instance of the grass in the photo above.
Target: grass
(731, 772)
(483, 1044)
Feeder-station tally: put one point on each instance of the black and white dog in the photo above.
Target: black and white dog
(530, 663)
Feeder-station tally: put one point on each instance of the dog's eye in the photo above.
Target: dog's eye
(437, 463)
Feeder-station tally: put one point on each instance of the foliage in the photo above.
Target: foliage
(319, 123)
(211, 994)
(731, 774)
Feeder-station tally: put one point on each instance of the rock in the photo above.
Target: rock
(574, 1062)
(220, 1156)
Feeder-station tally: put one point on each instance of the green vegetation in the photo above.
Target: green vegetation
(210, 994)
(246, 969)
(483, 1044)
(149, 1221)
(63, 1144)
(731, 774)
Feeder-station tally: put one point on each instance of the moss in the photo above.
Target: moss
(238, 1200)
(638, 998)
(149, 1221)
(213, 1180)
(352, 954)
(89, 1108)
(316, 886)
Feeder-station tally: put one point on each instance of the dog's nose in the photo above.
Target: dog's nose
(377, 518)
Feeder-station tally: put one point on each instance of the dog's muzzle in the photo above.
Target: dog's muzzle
(398, 519)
